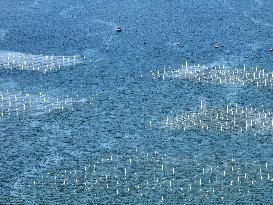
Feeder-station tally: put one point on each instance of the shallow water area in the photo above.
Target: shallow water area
(90, 114)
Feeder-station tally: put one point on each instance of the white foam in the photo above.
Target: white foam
(220, 75)
(133, 175)
(44, 63)
(231, 118)
(19, 103)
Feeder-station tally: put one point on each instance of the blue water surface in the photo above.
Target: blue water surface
(124, 97)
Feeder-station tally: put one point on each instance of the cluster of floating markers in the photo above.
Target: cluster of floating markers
(219, 75)
(21, 61)
(156, 178)
(231, 118)
(17, 103)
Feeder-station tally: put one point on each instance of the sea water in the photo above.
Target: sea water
(86, 153)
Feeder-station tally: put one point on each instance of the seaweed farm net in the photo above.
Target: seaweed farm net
(229, 119)
(219, 75)
(15, 60)
(18, 103)
(153, 178)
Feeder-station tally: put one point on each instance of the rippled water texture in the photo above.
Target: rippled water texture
(176, 108)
